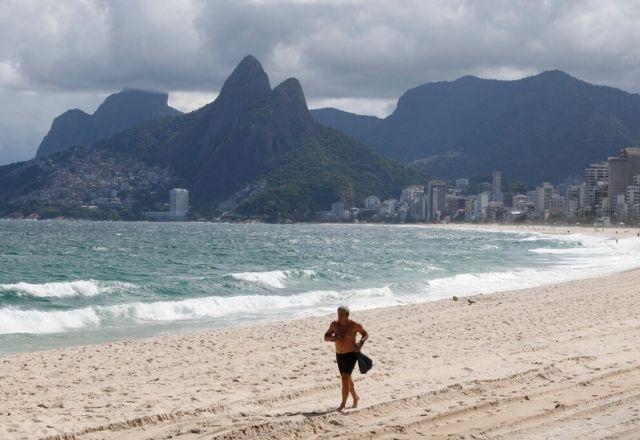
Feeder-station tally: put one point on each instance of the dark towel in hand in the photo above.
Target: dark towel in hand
(364, 363)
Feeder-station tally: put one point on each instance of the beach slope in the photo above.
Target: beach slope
(558, 361)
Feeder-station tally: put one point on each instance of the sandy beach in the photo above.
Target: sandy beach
(612, 232)
(558, 361)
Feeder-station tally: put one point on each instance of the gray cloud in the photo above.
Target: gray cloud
(357, 54)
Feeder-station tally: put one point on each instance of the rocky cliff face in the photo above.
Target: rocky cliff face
(544, 127)
(118, 112)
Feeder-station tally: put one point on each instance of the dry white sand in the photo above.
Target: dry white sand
(612, 232)
(560, 361)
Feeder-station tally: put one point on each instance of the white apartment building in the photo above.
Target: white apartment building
(388, 207)
(596, 172)
(411, 194)
(543, 198)
(633, 201)
(556, 205)
(179, 201)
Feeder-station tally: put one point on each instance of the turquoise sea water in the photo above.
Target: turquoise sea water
(65, 283)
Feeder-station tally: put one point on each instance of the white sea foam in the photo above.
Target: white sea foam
(538, 237)
(274, 278)
(597, 257)
(65, 289)
(13, 320)
(217, 306)
(433, 268)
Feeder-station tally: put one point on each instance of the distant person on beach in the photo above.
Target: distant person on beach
(343, 332)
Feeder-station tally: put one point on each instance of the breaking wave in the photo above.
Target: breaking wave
(14, 320)
(65, 289)
(274, 278)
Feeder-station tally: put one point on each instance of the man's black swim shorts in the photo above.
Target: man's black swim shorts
(346, 361)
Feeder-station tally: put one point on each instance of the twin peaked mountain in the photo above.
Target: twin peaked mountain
(264, 144)
(254, 150)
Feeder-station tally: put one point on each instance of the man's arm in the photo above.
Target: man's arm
(364, 335)
(329, 335)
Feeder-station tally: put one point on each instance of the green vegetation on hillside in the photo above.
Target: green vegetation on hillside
(323, 170)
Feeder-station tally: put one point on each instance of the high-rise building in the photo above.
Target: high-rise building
(570, 207)
(633, 201)
(596, 172)
(411, 194)
(388, 207)
(178, 207)
(507, 199)
(572, 201)
(496, 182)
(596, 180)
(621, 205)
(573, 191)
(621, 172)
(484, 198)
(543, 198)
(556, 205)
(454, 205)
(178, 201)
(470, 203)
(436, 193)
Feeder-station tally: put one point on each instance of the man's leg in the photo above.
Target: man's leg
(352, 389)
(346, 378)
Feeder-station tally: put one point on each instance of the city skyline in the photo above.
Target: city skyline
(609, 191)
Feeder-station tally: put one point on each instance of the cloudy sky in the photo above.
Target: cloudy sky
(359, 55)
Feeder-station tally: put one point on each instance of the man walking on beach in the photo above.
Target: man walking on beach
(343, 332)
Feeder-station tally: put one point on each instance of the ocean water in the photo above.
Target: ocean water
(68, 283)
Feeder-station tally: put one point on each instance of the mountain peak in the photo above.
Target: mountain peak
(555, 74)
(248, 79)
(132, 99)
(288, 99)
(249, 62)
(467, 78)
(118, 112)
(292, 89)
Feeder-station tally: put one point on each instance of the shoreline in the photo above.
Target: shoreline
(279, 378)
(493, 279)
(463, 225)
(606, 232)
